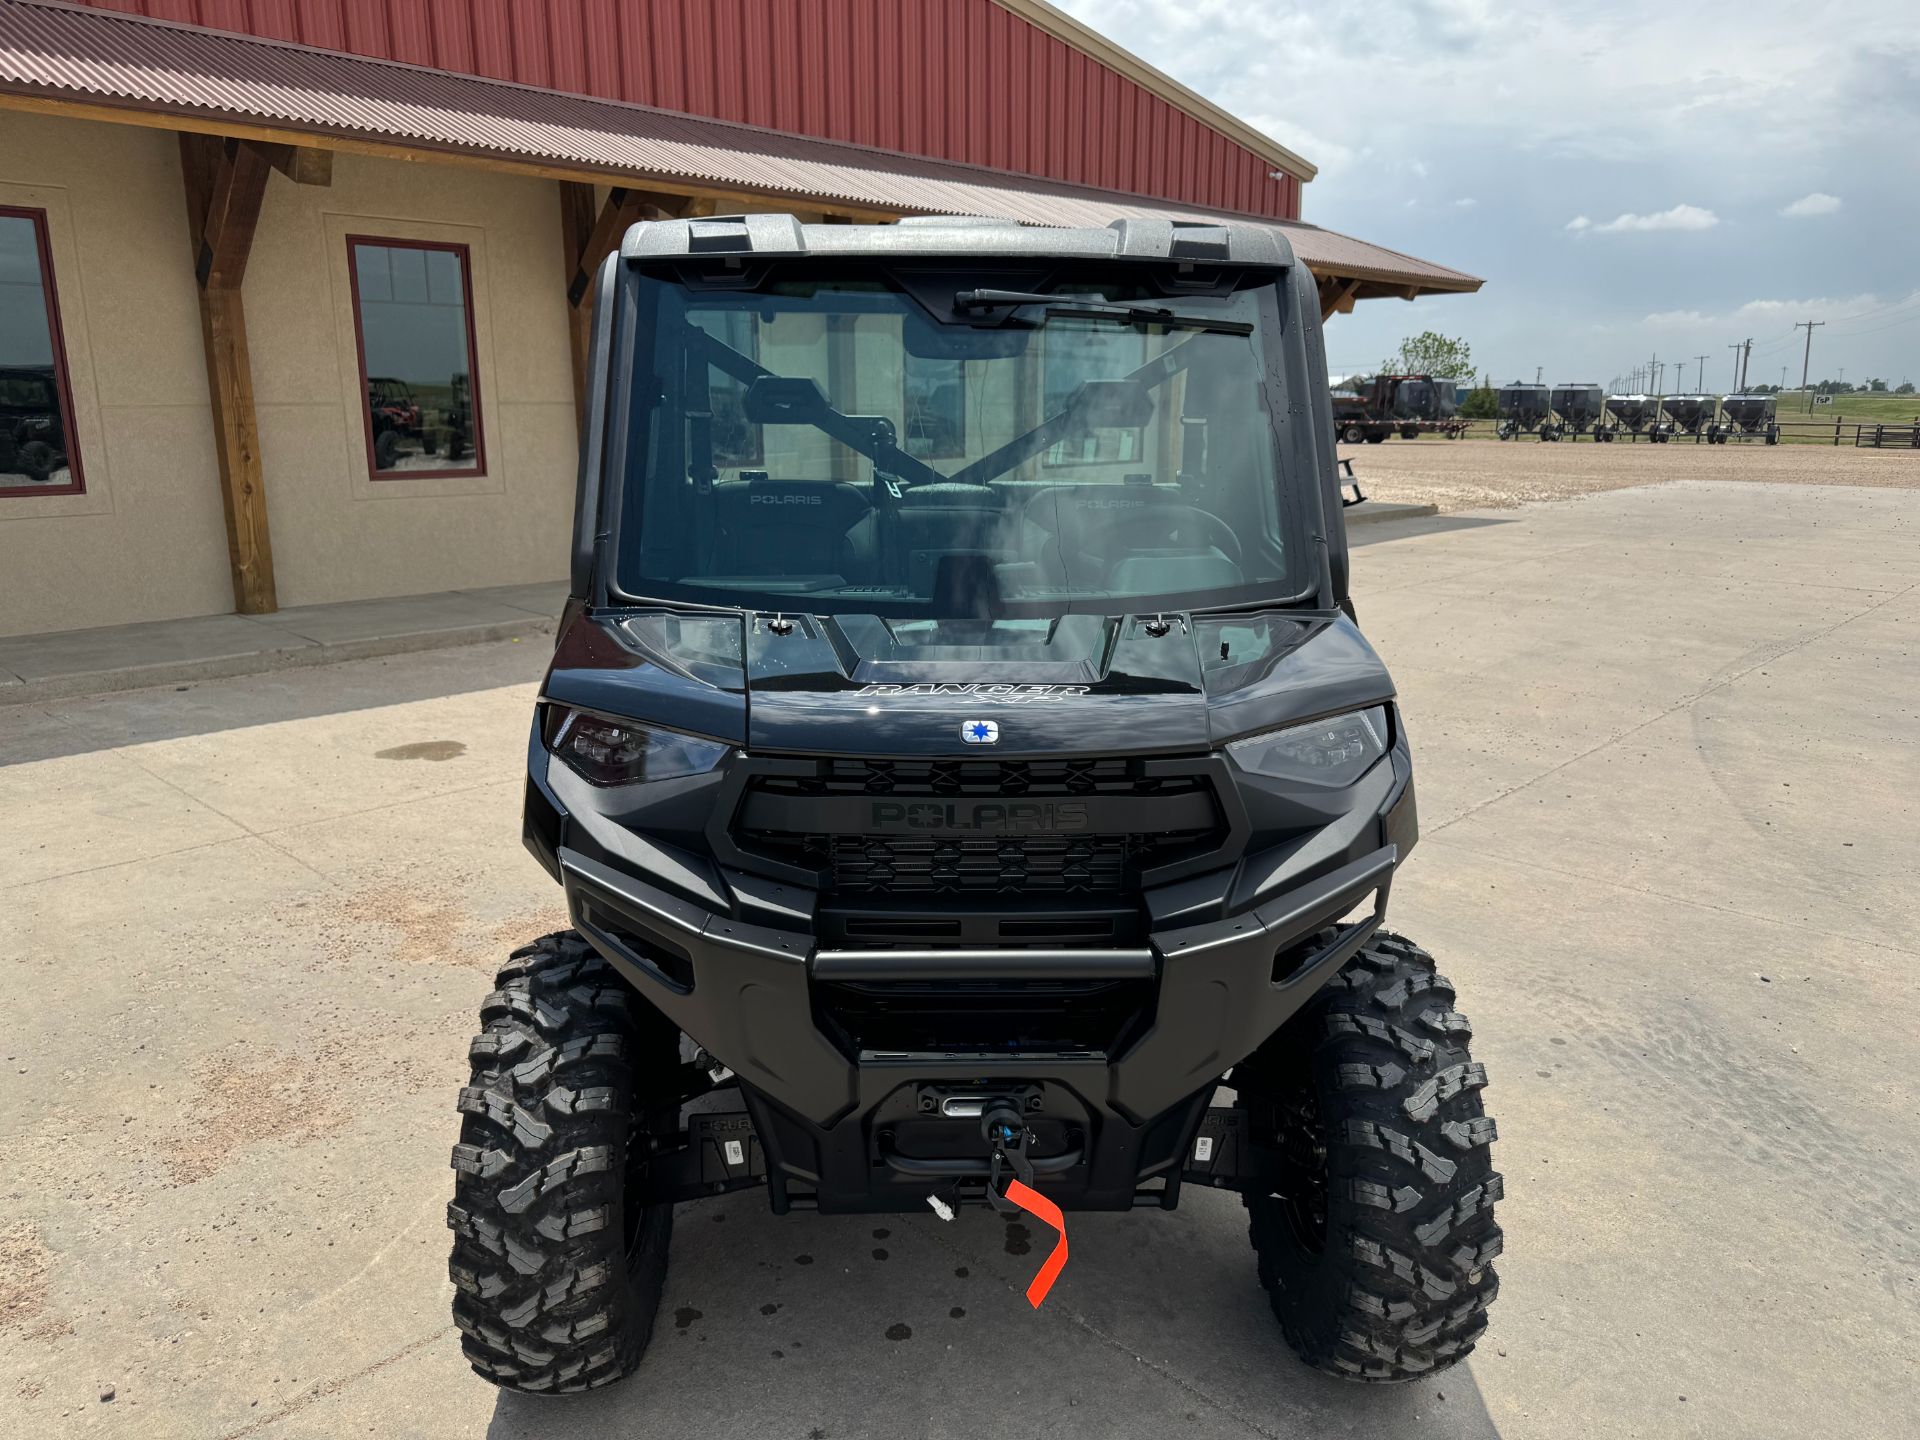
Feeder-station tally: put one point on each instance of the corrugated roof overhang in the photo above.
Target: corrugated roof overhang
(117, 67)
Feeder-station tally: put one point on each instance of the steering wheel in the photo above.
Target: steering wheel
(1161, 515)
(1167, 518)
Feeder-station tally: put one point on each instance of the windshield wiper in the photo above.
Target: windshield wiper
(1097, 310)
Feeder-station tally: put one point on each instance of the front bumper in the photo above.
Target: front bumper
(828, 1114)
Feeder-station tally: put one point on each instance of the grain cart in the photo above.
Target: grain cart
(1637, 415)
(1746, 418)
(944, 834)
(1522, 409)
(1579, 407)
(1690, 414)
(1427, 403)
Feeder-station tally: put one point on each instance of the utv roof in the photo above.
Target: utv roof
(959, 237)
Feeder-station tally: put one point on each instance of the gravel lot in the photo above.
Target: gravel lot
(1669, 801)
(1493, 474)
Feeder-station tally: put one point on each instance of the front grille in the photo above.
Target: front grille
(916, 865)
(1063, 828)
(952, 1017)
(1012, 779)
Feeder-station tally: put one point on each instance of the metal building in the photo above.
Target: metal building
(301, 283)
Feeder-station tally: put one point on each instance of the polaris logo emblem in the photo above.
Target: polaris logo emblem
(794, 499)
(990, 694)
(980, 732)
(982, 817)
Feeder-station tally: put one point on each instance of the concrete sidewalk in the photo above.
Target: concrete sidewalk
(127, 657)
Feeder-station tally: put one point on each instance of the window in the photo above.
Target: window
(38, 454)
(935, 408)
(413, 316)
(735, 441)
(1091, 352)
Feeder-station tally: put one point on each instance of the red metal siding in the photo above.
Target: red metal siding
(957, 80)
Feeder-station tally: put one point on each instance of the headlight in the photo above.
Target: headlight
(1332, 752)
(620, 752)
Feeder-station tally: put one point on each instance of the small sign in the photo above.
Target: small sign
(1823, 399)
(1203, 1148)
(736, 1153)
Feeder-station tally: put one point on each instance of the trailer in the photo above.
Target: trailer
(1636, 416)
(1746, 418)
(1369, 410)
(1691, 414)
(1579, 408)
(1522, 409)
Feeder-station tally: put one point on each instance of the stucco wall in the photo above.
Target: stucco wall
(337, 533)
(146, 540)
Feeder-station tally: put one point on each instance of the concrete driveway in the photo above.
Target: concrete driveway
(1667, 766)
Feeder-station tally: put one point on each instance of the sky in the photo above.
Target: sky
(1630, 179)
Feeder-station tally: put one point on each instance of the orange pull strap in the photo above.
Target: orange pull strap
(1048, 1213)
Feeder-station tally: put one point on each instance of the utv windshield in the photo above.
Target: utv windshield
(829, 445)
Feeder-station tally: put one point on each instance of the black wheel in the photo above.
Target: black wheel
(37, 461)
(557, 1277)
(1409, 432)
(386, 450)
(1377, 1254)
(1377, 438)
(1353, 434)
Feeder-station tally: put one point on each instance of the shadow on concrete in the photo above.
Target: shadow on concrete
(893, 1326)
(1405, 529)
(49, 729)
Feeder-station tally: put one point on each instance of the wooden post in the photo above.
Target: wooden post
(586, 239)
(224, 184)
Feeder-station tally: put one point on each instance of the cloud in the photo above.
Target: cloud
(1578, 223)
(1677, 319)
(1817, 203)
(1465, 202)
(1680, 217)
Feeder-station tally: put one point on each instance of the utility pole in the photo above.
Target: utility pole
(1735, 347)
(1700, 380)
(1745, 355)
(1806, 360)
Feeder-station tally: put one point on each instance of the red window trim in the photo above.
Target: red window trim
(479, 466)
(62, 383)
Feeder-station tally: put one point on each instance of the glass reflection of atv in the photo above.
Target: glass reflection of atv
(396, 418)
(33, 438)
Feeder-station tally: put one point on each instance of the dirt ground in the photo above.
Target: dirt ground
(1669, 807)
(1492, 474)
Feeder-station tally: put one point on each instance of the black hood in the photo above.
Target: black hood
(863, 685)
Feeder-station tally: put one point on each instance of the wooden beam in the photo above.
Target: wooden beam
(239, 173)
(586, 239)
(1335, 296)
(302, 164)
(576, 224)
(224, 183)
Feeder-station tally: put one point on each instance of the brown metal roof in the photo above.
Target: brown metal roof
(95, 58)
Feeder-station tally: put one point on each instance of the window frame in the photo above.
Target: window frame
(465, 256)
(62, 378)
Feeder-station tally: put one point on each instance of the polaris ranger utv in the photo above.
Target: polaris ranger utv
(964, 769)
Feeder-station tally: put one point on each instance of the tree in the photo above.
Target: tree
(1481, 404)
(1431, 353)
(1905, 387)
(1878, 387)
